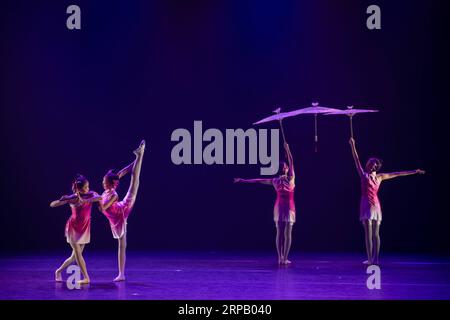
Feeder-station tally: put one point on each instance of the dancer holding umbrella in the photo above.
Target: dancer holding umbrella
(370, 208)
(284, 209)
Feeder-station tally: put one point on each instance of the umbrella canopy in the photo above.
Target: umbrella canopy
(276, 117)
(350, 111)
(315, 109)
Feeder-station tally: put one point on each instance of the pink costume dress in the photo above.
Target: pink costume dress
(78, 227)
(284, 209)
(118, 212)
(370, 208)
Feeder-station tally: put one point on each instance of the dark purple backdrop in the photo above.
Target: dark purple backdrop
(80, 101)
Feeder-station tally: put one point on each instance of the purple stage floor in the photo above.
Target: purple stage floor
(191, 276)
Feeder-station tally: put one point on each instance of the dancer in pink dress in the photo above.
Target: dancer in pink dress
(284, 209)
(370, 208)
(78, 227)
(117, 211)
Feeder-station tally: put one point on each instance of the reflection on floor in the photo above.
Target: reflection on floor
(208, 275)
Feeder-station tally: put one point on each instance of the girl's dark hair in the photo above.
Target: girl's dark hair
(378, 163)
(282, 164)
(78, 182)
(111, 176)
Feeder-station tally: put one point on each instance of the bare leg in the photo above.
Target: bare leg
(81, 263)
(121, 256)
(368, 235)
(279, 241)
(376, 241)
(287, 241)
(65, 264)
(132, 190)
(136, 170)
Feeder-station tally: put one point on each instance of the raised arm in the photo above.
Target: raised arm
(391, 175)
(290, 159)
(125, 170)
(262, 181)
(356, 157)
(104, 205)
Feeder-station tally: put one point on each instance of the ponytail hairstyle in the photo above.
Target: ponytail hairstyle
(112, 178)
(78, 182)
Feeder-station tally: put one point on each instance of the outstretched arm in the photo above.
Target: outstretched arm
(64, 200)
(290, 159)
(262, 181)
(125, 170)
(74, 198)
(356, 157)
(387, 176)
(95, 198)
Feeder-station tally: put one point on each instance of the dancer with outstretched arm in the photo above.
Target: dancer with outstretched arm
(370, 208)
(78, 227)
(117, 211)
(284, 209)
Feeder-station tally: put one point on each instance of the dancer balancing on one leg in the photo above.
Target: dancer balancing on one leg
(78, 227)
(284, 209)
(370, 208)
(116, 211)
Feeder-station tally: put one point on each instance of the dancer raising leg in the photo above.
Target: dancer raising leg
(116, 211)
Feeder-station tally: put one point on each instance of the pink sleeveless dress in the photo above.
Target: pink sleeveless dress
(118, 212)
(370, 208)
(78, 227)
(284, 209)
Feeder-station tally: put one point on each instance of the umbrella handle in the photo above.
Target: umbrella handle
(351, 126)
(282, 132)
(316, 136)
(277, 111)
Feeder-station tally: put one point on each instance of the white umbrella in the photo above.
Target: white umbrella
(278, 116)
(350, 111)
(315, 110)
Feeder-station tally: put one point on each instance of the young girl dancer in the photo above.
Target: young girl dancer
(370, 209)
(284, 209)
(116, 211)
(78, 227)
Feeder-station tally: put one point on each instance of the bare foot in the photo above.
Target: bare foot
(140, 149)
(84, 281)
(287, 261)
(58, 277)
(120, 277)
